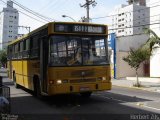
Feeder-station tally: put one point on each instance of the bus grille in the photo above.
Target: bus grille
(83, 80)
(78, 73)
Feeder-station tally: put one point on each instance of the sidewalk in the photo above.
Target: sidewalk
(149, 84)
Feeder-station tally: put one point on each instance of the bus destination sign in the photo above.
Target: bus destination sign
(72, 28)
(88, 29)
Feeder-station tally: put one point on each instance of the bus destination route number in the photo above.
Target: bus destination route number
(88, 29)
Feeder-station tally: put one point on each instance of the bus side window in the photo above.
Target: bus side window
(18, 55)
(9, 52)
(16, 51)
(21, 50)
(26, 48)
(13, 51)
(34, 46)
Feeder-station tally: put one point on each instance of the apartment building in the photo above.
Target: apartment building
(9, 18)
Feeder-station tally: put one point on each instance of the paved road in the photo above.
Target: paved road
(117, 101)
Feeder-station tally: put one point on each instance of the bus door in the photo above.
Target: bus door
(43, 63)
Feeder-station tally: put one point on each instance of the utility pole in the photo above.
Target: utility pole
(86, 5)
(28, 28)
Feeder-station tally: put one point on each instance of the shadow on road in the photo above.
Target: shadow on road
(75, 107)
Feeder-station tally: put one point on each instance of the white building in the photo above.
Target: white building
(9, 18)
(154, 15)
(128, 22)
(129, 19)
(155, 26)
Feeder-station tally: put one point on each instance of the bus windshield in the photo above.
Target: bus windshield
(77, 51)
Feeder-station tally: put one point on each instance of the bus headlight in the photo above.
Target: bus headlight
(103, 78)
(59, 81)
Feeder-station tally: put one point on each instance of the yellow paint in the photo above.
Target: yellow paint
(26, 69)
(74, 73)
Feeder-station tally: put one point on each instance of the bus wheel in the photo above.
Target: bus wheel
(14, 80)
(37, 90)
(86, 94)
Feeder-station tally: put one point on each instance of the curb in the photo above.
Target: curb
(137, 88)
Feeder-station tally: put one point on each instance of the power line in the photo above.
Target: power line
(143, 25)
(124, 12)
(24, 13)
(33, 13)
(46, 5)
(144, 18)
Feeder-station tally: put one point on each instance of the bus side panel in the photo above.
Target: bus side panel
(16, 68)
(26, 74)
(33, 69)
(19, 74)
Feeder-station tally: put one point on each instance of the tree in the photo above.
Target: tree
(3, 57)
(135, 58)
(154, 39)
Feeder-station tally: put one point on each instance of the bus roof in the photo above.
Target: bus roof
(46, 25)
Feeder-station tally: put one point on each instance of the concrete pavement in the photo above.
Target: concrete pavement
(149, 84)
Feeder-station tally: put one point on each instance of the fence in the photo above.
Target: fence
(4, 98)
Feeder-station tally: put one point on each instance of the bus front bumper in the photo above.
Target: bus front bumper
(78, 88)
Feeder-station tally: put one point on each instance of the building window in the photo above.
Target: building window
(119, 20)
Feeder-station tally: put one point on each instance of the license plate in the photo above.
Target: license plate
(84, 88)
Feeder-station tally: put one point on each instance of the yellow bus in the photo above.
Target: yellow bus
(61, 58)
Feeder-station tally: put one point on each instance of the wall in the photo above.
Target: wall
(155, 62)
(123, 69)
(125, 43)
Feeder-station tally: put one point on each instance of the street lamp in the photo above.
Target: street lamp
(69, 17)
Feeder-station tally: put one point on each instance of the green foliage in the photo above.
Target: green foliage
(136, 57)
(3, 57)
(154, 39)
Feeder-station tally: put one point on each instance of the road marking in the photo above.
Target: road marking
(151, 107)
(140, 88)
(137, 104)
(110, 98)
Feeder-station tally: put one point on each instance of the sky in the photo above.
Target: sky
(56, 8)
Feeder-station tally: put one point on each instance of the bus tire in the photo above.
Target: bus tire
(86, 94)
(14, 81)
(37, 90)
